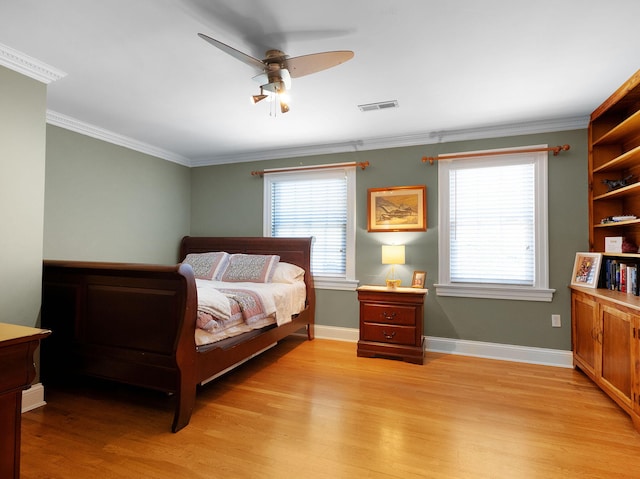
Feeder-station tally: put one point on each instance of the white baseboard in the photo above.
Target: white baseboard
(339, 334)
(33, 397)
(505, 352)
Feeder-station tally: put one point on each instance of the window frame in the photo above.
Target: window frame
(540, 290)
(348, 281)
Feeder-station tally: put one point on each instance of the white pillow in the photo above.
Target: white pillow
(287, 273)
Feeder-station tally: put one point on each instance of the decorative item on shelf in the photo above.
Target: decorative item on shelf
(586, 270)
(619, 244)
(613, 244)
(628, 246)
(615, 184)
(393, 255)
(419, 278)
(617, 219)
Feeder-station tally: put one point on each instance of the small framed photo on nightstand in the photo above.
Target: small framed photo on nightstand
(418, 279)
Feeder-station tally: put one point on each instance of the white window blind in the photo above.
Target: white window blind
(492, 224)
(493, 227)
(316, 203)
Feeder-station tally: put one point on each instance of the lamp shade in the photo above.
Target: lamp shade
(392, 254)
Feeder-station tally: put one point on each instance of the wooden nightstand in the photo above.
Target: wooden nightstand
(391, 323)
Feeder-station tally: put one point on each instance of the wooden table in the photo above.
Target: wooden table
(17, 371)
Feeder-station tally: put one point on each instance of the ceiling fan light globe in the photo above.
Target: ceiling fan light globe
(284, 97)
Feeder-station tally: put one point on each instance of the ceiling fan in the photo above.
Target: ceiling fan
(277, 69)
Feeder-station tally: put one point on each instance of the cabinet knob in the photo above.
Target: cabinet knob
(388, 336)
(389, 316)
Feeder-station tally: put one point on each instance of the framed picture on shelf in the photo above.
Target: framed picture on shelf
(586, 270)
(418, 280)
(398, 208)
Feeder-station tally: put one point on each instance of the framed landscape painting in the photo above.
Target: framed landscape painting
(399, 208)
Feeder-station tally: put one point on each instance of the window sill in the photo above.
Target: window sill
(339, 284)
(495, 292)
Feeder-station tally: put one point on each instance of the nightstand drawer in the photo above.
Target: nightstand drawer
(389, 314)
(383, 333)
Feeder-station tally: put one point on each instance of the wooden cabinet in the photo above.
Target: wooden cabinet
(391, 323)
(17, 345)
(617, 326)
(605, 335)
(584, 318)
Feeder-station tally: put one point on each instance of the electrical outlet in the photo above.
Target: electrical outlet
(555, 321)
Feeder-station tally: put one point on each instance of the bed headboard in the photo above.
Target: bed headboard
(291, 250)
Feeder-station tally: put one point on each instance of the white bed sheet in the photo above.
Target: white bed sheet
(280, 300)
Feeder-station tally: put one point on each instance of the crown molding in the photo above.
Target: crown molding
(442, 136)
(29, 66)
(510, 129)
(69, 123)
(278, 153)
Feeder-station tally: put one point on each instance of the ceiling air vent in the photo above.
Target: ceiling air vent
(383, 105)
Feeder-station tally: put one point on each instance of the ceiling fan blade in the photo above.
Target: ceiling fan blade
(243, 57)
(315, 62)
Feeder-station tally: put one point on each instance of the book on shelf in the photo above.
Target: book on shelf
(621, 276)
(632, 279)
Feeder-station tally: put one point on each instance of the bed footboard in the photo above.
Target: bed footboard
(130, 323)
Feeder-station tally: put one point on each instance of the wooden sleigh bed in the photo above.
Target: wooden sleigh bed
(136, 323)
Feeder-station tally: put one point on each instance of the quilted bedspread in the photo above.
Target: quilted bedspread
(229, 309)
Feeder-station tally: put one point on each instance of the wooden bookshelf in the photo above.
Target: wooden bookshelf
(605, 323)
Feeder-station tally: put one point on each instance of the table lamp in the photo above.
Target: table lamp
(393, 255)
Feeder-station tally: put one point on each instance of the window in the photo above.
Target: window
(318, 203)
(493, 227)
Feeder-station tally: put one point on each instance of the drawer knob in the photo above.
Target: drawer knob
(389, 316)
(388, 336)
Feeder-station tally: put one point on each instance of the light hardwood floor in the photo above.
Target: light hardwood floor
(315, 410)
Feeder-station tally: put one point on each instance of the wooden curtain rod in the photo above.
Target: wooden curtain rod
(362, 165)
(555, 149)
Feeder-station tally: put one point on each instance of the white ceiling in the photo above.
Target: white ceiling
(136, 69)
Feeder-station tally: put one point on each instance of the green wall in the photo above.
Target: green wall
(227, 200)
(22, 172)
(104, 202)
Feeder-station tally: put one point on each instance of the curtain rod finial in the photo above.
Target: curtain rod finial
(558, 149)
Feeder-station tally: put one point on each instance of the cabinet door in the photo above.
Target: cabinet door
(584, 312)
(616, 342)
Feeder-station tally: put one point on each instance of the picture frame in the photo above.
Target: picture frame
(419, 279)
(398, 208)
(586, 270)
